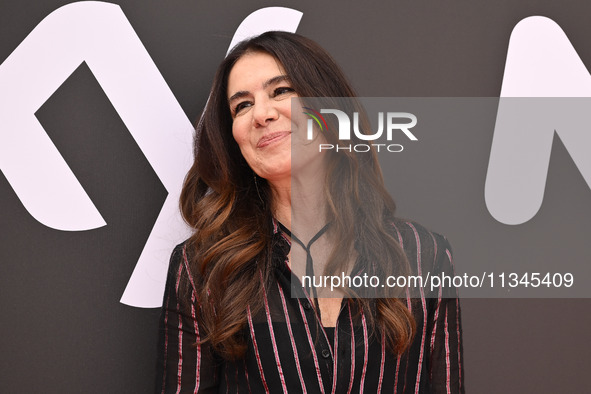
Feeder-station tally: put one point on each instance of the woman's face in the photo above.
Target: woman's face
(259, 94)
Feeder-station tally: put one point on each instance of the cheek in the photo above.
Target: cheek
(240, 134)
(286, 109)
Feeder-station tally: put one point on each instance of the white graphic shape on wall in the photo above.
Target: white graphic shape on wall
(266, 19)
(544, 86)
(100, 35)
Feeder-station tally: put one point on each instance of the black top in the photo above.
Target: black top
(290, 351)
(330, 334)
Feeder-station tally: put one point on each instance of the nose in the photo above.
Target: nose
(264, 111)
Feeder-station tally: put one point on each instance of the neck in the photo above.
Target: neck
(299, 202)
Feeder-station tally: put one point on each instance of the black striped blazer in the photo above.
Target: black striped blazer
(289, 350)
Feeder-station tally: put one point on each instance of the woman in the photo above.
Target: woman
(235, 316)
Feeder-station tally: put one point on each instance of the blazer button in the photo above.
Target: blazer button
(307, 305)
(325, 353)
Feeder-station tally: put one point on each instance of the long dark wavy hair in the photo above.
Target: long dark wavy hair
(232, 217)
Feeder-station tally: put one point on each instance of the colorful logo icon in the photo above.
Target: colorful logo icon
(315, 115)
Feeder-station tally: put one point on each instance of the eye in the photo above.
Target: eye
(240, 106)
(283, 90)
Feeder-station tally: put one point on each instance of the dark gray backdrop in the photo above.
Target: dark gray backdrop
(63, 328)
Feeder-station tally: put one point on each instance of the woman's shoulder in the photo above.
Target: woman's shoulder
(425, 249)
(178, 256)
(179, 270)
(412, 232)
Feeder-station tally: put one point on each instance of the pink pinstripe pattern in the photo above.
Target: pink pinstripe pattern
(449, 257)
(382, 361)
(409, 306)
(273, 340)
(178, 280)
(352, 376)
(435, 318)
(447, 362)
(418, 379)
(396, 375)
(436, 315)
(165, 343)
(319, 320)
(292, 339)
(286, 238)
(366, 370)
(246, 374)
(335, 361)
(365, 350)
(193, 315)
(186, 263)
(457, 323)
(198, 338)
(180, 327)
(399, 235)
(311, 342)
(256, 349)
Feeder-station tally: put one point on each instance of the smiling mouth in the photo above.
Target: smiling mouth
(271, 138)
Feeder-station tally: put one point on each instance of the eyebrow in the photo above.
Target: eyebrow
(266, 84)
